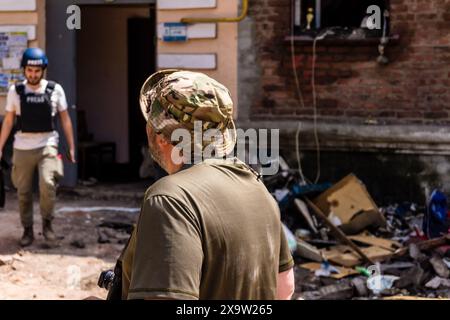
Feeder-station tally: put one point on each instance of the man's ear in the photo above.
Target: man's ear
(162, 141)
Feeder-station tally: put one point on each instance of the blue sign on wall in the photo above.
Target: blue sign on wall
(175, 31)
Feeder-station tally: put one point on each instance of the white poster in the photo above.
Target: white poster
(185, 4)
(187, 61)
(17, 5)
(12, 46)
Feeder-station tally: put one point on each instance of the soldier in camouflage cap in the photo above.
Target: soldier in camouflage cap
(208, 231)
(175, 99)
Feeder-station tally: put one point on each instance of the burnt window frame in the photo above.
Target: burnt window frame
(298, 29)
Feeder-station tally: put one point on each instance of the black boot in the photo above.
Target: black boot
(28, 237)
(49, 235)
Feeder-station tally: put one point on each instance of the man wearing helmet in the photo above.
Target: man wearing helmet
(208, 230)
(34, 103)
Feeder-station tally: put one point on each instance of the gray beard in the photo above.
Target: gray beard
(157, 157)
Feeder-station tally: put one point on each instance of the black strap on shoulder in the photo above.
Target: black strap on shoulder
(20, 88)
(50, 87)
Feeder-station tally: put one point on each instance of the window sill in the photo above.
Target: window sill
(339, 41)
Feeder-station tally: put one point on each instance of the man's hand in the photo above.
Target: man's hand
(7, 125)
(71, 155)
(68, 131)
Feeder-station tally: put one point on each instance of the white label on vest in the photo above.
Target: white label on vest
(32, 99)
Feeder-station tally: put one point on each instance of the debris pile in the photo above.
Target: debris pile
(346, 247)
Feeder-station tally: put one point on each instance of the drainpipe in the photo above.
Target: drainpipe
(215, 20)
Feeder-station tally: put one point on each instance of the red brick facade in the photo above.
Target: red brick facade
(351, 86)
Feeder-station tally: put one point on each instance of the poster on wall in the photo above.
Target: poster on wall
(12, 46)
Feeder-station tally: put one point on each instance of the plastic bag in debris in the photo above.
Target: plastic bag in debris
(292, 242)
(379, 283)
(435, 220)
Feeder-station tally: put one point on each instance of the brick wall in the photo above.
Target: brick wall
(413, 88)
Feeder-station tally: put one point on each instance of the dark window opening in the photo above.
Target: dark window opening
(345, 17)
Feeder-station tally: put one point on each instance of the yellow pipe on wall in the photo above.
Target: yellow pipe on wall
(215, 20)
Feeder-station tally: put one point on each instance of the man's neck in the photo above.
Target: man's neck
(34, 87)
(173, 168)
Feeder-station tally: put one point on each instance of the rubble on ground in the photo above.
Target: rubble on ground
(346, 247)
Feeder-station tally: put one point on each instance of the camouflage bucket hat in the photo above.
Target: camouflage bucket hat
(175, 99)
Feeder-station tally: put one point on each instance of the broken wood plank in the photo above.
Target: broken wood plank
(426, 245)
(379, 242)
(343, 271)
(344, 256)
(336, 231)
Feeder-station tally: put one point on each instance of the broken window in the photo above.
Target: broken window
(343, 16)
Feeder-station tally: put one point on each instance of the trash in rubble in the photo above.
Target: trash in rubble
(326, 269)
(447, 262)
(425, 245)
(363, 271)
(280, 194)
(334, 219)
(437, 282)
(396, 266)
(403, 221)
(443, 251)
(415, 253)
(324, 233)
(303, 209)
(411, 277)
(292, 242)
(435, 220)
(360, 285)
(303, 233)
(349, 201)
(378, 283)
(307, 251)
(345, 256)
(370, 219)
(376, 241)
(334, 250)
(339, 291)
(440, 267)
(319, 243)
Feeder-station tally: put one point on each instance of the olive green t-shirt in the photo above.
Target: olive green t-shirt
(212, 231)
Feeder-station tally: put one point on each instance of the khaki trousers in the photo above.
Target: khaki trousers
(50, 169)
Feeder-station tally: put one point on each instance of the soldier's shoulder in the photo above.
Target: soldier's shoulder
(166, 186)
(175, 185)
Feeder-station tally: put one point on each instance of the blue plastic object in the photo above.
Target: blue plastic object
(435, 220)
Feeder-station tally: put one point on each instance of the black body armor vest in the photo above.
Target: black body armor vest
(36, 109)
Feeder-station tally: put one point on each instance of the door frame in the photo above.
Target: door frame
(61, 51)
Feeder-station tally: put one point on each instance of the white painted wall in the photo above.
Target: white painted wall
(102, 86)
